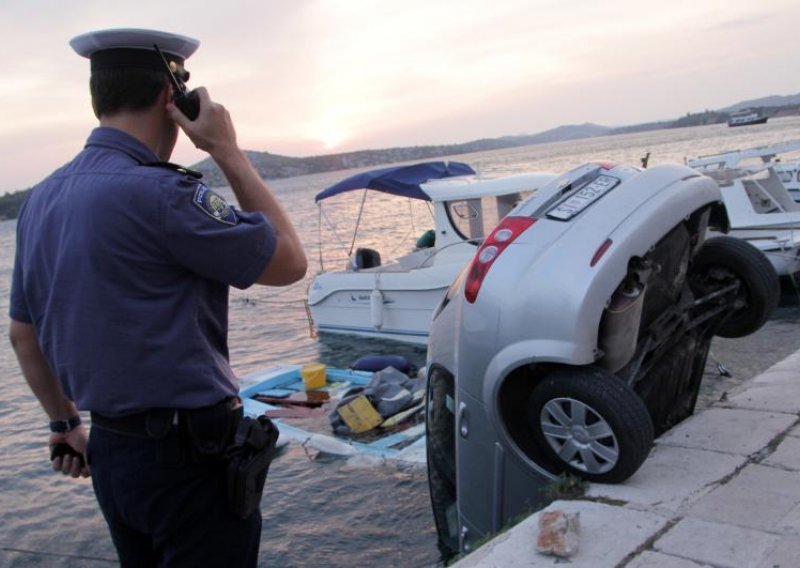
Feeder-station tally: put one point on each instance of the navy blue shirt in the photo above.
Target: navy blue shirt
(123, 268)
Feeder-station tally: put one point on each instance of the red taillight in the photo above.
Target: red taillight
(601, 250)
(503, 235)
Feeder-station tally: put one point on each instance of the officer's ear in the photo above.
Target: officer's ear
(165, 95)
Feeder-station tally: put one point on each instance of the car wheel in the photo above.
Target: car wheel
(588, 422)
(719, 261)
(440, 449)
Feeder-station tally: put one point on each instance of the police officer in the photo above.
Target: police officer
(119, 304)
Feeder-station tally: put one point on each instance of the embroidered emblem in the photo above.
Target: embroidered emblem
(214, 206)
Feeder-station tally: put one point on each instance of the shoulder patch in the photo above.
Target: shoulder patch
(214, 206)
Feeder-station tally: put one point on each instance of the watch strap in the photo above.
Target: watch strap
(63, 426)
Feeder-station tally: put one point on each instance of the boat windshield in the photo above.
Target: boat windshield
(475, 218)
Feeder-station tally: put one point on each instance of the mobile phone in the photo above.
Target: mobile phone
(187, 101)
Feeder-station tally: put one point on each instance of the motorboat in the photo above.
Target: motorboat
(762, 212)
(302, 414)
(394, 299)
(746, 118)
(783, 157)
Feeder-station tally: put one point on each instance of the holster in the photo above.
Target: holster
(249, 459)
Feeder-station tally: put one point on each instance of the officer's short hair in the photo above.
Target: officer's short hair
(131, 89)
(129, 66)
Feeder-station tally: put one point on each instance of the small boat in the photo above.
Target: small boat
(746, 118)
(302, 415)
(783, 157)
(395, 299)
(762, 212)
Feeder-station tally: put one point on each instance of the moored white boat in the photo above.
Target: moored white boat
(783, 157)
(762, 212)
(395, 299)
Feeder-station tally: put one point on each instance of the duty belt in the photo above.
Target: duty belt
(205, 425)
(155, 423)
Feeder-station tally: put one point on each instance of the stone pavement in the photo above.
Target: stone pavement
(721, 489)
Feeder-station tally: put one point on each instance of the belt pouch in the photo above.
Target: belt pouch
(250, 458)
(210, 429)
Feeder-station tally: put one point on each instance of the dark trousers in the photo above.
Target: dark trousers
(163, 511)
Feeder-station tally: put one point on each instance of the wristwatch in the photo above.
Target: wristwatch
(64, 426)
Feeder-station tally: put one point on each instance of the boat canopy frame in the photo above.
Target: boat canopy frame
(402, 181)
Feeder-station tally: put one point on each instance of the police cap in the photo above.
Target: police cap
(133, 48)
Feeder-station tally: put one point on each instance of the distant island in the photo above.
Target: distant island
(274, 166)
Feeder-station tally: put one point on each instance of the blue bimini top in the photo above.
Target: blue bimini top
(404, 181)
(123, 267)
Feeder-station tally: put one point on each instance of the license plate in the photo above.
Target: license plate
(579, 201)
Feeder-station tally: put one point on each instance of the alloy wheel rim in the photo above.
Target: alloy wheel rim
(579, 435)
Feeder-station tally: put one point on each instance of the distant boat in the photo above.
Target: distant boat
(746, 118)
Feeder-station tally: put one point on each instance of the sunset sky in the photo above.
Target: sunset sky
(307, 77)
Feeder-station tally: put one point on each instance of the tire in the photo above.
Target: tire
(718, 262)
(588, 422)
(441, 458)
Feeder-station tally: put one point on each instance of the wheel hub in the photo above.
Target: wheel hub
(579, 434)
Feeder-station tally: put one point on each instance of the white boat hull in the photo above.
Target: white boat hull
(400, 313)
(782, 248)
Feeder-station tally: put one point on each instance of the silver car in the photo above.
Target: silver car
(578, 333)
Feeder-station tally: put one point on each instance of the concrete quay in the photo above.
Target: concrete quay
(721, 490)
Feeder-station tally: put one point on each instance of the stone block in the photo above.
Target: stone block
(785, 555)
(759, 497)
(559, 533)
(769, 396)
(716, 543)
(787, 454)
(729, 430)
(650, 559)
(671, 478)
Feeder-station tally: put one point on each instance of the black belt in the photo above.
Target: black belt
(155, 423)
(210, 428)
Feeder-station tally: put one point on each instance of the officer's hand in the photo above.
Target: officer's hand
(212, 130)
(72, 461)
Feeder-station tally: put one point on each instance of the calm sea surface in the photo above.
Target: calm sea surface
(320, 511)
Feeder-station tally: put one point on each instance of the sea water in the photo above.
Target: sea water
(320, 510)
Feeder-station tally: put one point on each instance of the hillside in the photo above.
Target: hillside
(275, 166)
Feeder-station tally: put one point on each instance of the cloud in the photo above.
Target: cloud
(369, 73)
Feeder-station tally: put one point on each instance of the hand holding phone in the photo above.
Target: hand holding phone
(186, 101)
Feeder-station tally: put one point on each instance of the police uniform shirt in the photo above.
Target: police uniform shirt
(124, 268)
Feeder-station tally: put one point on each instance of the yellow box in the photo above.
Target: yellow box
(359, 415)
(313, 375)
